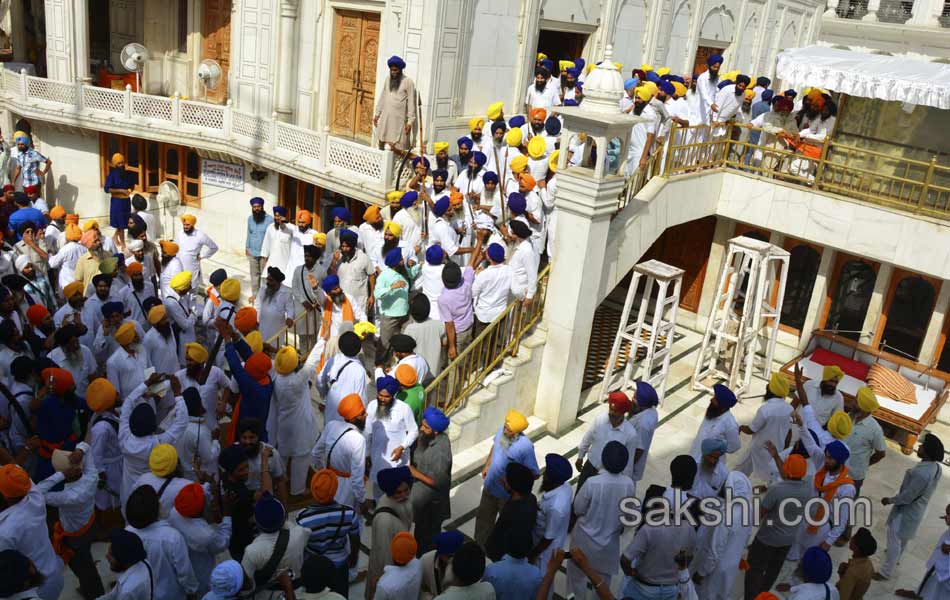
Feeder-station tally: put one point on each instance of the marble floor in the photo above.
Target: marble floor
(681, 415)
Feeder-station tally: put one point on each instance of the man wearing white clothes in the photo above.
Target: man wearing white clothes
(645, 420)
(342, 375)
(276, 247)
(274, 304)
(608, 427)
(718, 422)
(771, 423)
(193, 245)
(823, 395)
(554, 509)
(523, 264)
(341, 448)
(390, 430)
(491, 288)
(539, 94)
(643, 134)
(707, 87)
(302, 237)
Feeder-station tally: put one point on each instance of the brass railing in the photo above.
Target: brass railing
(302, 334)
(501, 338)
(921, 187)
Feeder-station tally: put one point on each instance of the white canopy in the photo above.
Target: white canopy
(896, 78)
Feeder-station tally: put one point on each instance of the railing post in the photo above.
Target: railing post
(669, 150)
(819, 172)
(273, 131)
(925, 190)
(226, 120)
(176, 110)
(24, 90)
(127, 101)
(79, 99)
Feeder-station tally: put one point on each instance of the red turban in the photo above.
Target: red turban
(620, 401)
(190, 501)
(62, 380)
(35, 314)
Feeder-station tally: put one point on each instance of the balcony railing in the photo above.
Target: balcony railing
(934, 13)
(286, 148)
(921, 187)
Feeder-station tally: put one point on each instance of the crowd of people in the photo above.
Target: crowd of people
(172, 418)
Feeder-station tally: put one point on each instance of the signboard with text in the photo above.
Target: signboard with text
(221, 174)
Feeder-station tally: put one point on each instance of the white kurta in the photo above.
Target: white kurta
(276, 247)
(168, 556)
(824, 406)
(127, 372)
(600, 433)
(645, 422)
(723, 427)
(638, 140)
(400, 582)
(598, 528)
(341, 376)
(554, 518)
(273, 310)
(80, 366)
(706, 90)
(717, 560)
(348, 457)
(166, 500)
(771, 423)
(136, 450)
(295, 429)
(104, 442)
(299, 239)
(182, 314)
(192, 247)
(937, 585)
(172, 267)
(205, 542)
(429, 282)
(197, 440)
(23, 528)
(385, 435)
(65, 260)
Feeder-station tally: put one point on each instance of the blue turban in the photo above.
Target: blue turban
(441, 206)
(330, 283)
(652, 76)
(480, 158)
(112, 308)
(763, 81)
(615, 457)
(341, 213)
(552, 126)
(574, 72)
(816, 565)
(420, 159)
(23, 140)
(280, 210)
(789, 94)
(570, 102)
(724, 83)
(631, 83)
(499, 124)
(838, 451)
(517, 203)
(516, 121)
(548, 64)
(465, 142)
(448, 542)
(269, 513)
(496, 252)
(490, 177)
(389, 384)
(390, 479)
(440, 173)
(713, 59)
(408, 199)
(434, 255)
(767, 95)
(127, 547)
(257, 201)
(349, 236)
(667, 88)
(580, 63)
(646, 395)
(743, 79)
(711, 445)
(676, 78)
(395, 61)
(558, 468)
(436, 419)
(393, 257)
(724, 396)
(580, 86)
(142, 420)
(227, 579)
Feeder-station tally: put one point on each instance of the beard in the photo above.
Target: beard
(473, 171)
(258, 216)
(384, 411)
(194, 371)
(540, 86)
(269, 292)
(303, 228)
(476, 137)
(638, 107)
(505, 441)
(548, 485)
(138, 284)
(251, 450)
(389, 245)
(712, 412)
(403, 271)
(498, 142)
(394, 82)
(537, 128)
(337, 298)
(165, 330)
(378, 225)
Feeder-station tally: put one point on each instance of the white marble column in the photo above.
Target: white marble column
(819, 293)
(287, 74)
(585, 204)
(876, 306)
(81, 40)
(926, 13)
(929, 349)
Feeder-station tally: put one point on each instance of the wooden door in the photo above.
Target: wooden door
(353, 74)
(216, 43)
(686, 246)
(702, 54)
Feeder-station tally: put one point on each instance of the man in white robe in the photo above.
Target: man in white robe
(395, 114)
(720, 548)
(275, 305)
(293, 428)
(278, 242)
(341, 448)
(718, 422)
(342, 375)
(390, 430)
(771, 423)
(193, 246)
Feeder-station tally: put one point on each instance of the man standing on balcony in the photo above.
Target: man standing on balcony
(257, 224)
(707, 87)
(396, 110)
(194, 245)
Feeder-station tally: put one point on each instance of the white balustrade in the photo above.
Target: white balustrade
(356, 158)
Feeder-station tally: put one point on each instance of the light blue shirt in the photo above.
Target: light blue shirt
(759, 108)
(255, 233)
(513, 578)
(521, 450)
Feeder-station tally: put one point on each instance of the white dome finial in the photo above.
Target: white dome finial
(609, 53)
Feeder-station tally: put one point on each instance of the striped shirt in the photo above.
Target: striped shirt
(331, 526)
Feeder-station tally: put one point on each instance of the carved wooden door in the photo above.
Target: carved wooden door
(686, 246)
(353, 74)
(216, 43)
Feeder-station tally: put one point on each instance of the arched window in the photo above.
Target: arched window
(850, 299)
(907, 316)
(802, 272)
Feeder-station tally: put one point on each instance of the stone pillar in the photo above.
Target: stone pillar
(929, 349)
(286, 75)
(18, 33)
(816, 305)
(725, 230)
(585, 204)
(81, 37)
(926, 13)
(876, 307)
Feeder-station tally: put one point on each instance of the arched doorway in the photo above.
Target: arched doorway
(907, 309)
(802, 273)
(849, 296)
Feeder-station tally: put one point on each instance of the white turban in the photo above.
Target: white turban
(135, 245)
(21, 262)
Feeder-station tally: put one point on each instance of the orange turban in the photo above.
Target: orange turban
(527, 180)
(795, 467)
(403, 547)
(100, 395)
(190, 501)
(406, 375)
(62, 380)
(350, 406)
(57, 212)
(14, 482)
(73, 232)
(537, 114)
(35, 314)
(372, 214)
(258, 367)
(304, 215)
(245, 319)
(134, 268)
(72, 218)
(323, 486)
(169, 248)
(456, 198)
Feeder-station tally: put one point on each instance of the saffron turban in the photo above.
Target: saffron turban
(258, 366)
(406, 375)
(36, 313)
(134, 268)
(323, 486)
(156, 314)
(14, 482)
(125, 333)
(189, 219)
(245, 319)
(169, 248)
(196, 352)
(100, 395)
(190, 501)
(230, 289)
(403, 548)
(538, 114)
(350, 406)
(795, 466)
(516, 422)
(779, 385)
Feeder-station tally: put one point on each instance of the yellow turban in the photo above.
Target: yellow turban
(663, 71)
(643, 93)
(19, 134)
(475, 123)
(519, 163)
(867, 400)
(779, 385)
(516, 421)
(163, 460)
(286, 360)
(90, 224)
(440, 146)
(100, 395)
(839, 425)
(320, 238)
(541, 56)
(117, 158)
(730, 75)
(537, 147)
(393, 196)
(181, 282)
(231, 289)
(646, 68)
(196, 352)
(71, 289)
(393, 228)
(255, 341)
(513, 137)
(832, 372)
(552, 160)
(364, 328)
(156, 314)
(748, 94)
(73, 233)
(189, 218)
(680, 89)
(564, 65)
(494, 110)
(125, 333)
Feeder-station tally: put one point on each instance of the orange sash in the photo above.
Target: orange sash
(213, 295)
(60, 535)
(328, 322)
(828, 491)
